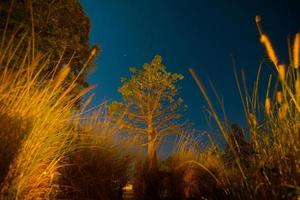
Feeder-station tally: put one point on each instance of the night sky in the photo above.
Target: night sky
(191, 33)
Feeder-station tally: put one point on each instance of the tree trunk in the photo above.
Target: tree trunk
(152, 158)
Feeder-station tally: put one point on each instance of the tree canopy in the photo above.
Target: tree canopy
(58, 28)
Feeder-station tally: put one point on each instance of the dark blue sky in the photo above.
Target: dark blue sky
(187, 33)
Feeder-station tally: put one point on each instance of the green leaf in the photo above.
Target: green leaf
(132, 69)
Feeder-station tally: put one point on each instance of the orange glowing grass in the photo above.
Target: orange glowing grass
(269, 48)
(296, 51)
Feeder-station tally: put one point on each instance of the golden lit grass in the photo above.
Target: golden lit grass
(102, 162)
(296, 51)
(49, 148)
(197, 172)
(43, 108)
(36, 113)
(280, 138)
(274, 168)
(189, 154)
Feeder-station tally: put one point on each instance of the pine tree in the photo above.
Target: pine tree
(150, 107)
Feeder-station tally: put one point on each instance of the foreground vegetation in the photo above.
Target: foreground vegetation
(51, 148)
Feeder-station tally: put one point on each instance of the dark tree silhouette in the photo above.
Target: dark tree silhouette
(58, 28)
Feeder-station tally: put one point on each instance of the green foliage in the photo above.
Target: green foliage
(149, 92)
(151, 80)
(150, 106)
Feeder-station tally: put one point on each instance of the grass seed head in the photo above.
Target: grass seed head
(281, 72)
(269, 48)
(257, 19)
(283, 111)
(279, 97)
(268, 110)
(296, 51)
(252, 120)
(61, 76)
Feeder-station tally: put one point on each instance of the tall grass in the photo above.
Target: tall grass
(102, 162)
(272, 169)
(199, 171)
(50, 148)
(36, 115)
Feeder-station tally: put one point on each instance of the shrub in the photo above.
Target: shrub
(101, 164)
